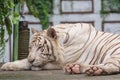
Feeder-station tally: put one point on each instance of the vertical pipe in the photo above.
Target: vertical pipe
(15, 35)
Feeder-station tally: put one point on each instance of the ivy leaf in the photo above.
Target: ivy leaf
(15, 19)
(8, 25)
(10, 5)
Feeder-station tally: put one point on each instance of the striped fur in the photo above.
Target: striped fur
(75, 43)
(82, 44)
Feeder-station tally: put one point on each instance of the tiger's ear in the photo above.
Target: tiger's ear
(34, 30)
(52, 33)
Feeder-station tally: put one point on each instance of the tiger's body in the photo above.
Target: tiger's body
(77, 48)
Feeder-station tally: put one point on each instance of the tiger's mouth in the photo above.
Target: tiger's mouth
(38, 64)
(37, 67)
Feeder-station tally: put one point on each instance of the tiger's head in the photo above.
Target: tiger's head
(43, 47)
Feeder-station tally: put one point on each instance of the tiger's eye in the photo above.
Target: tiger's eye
(39, 47)
(42, 49)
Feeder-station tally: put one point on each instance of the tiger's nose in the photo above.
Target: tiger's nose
(31, 59)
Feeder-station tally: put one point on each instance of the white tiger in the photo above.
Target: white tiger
(75, 48)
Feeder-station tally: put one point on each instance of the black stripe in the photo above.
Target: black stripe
(67, 38)
(88, 40)
(103, 56)
(88, 44)
(83, 45)
(98, 54)
(115, 50)
(95, 39)
(51, 47)
(45, 42)
(109, 41)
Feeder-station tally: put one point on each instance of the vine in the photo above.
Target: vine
(40, 9)
(5, 23)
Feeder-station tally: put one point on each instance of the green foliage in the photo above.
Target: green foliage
(114, 5)
(15, 18)
(41, 10)
(5, 22)
(109, 6)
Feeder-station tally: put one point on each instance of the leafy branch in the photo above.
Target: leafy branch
(40, 9)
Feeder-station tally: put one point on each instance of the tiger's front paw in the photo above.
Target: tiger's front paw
(72, 68)
(95, 71)
(10, 66)
(7, 66)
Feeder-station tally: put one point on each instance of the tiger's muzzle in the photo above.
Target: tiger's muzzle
(36, 62)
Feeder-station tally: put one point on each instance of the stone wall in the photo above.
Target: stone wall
(75, 11)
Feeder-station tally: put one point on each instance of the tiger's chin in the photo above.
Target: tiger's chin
(35, 68)
(38, 64)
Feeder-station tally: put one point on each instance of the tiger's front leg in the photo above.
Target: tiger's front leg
(17, 65)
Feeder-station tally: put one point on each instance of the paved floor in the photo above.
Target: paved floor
(51, 75)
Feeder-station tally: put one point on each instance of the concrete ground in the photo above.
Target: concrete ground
(51, 75)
